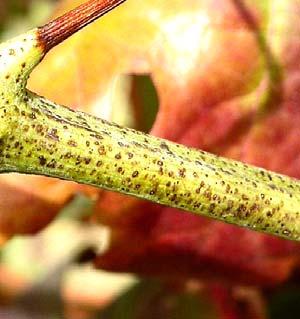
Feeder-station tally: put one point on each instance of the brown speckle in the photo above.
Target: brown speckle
(118, 156)
(42, 160)
(101, 150)
(99, 163)
(135, 174)
(72, 143)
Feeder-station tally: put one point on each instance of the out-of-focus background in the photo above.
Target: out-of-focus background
(167, 266)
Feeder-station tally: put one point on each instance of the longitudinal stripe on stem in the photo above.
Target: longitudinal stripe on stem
(63, 27)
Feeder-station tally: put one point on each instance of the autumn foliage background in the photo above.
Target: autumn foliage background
(220, 75)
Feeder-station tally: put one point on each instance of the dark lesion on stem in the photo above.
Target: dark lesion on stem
(63, 27)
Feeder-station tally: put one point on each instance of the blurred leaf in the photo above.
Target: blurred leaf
(81, 207)
(151, 299)
(145, 101)
(28, 203)
(18, 15)
(285, 304)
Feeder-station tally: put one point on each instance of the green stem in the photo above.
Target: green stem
(40, 137)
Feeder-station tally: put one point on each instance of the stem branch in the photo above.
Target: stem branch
(63, 27)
